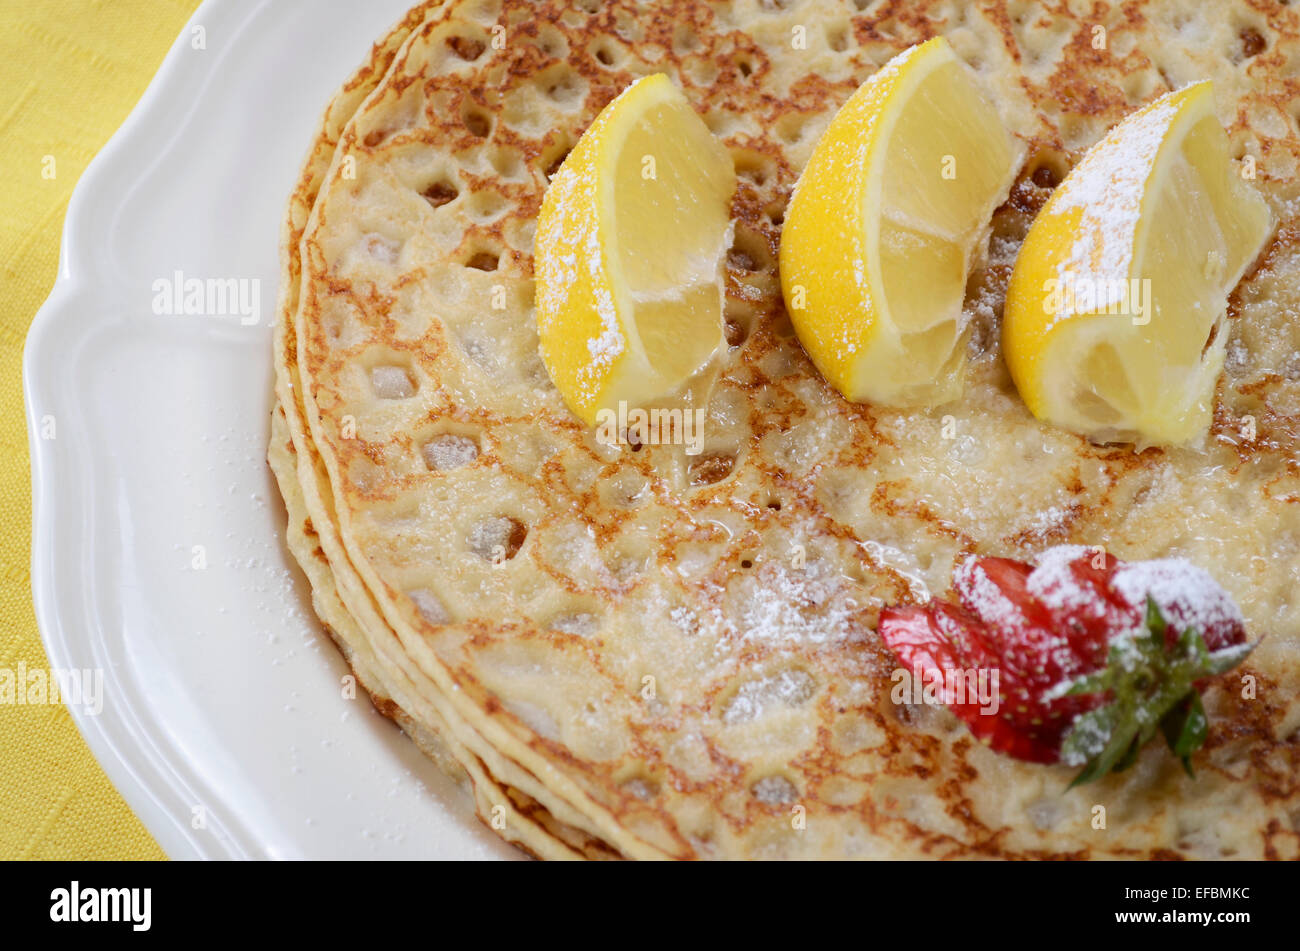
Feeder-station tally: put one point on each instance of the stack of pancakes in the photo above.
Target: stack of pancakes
(630, 650)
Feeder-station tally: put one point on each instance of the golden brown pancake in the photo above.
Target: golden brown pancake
(509, 811)
(677, 655)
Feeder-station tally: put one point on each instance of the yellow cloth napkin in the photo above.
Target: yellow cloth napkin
(69, 73)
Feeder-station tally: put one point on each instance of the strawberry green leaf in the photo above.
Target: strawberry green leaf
(1130, 756)
(1222, 661)
(1093, 741)
(1150, 686)
(1155, 620)
(1185, 728)
(1092, 683)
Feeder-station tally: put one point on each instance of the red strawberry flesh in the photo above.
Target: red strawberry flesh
(1044, 626)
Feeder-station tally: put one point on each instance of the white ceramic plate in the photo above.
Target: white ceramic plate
(224, 723)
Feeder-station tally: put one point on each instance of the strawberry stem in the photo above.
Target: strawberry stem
(1151, 685)
(1185, 728)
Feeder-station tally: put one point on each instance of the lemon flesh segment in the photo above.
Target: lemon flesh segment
(628, 254)
(1115, 322)
(883, 224)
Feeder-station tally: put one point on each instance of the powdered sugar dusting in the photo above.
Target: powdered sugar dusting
(610, 342)
(561, 227)
(851, 151)
(1186, 595)
(796, 606)
(1107, 188)
(559, 273)
(789, 688)
(1029, 641)
(449, 451)
(1053, 583)
(983, 596)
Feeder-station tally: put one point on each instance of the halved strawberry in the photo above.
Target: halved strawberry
(1092, 655)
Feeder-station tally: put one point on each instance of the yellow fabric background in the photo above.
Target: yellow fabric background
(70, 71)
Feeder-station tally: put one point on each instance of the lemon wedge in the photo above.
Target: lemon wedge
(882, 225)
(1114, 325)
(629, 252)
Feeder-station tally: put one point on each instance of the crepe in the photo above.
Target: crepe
(676, 656)
(517, 817)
